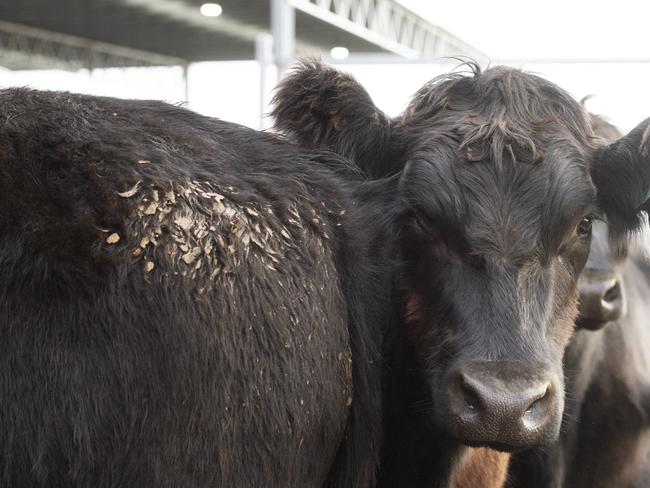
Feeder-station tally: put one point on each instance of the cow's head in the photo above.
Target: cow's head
(601, 287)
(502, 177)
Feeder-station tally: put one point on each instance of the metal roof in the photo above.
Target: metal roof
(100, 33)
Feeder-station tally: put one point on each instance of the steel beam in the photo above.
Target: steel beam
(384, 23)
(224, 24)
(389, 26)
(29, 47)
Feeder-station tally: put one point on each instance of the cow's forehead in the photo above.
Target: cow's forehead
(518, 209)
(510, 209)
(499, 113)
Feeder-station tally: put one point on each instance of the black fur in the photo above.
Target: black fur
(183, 301)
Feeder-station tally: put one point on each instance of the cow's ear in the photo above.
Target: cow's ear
(317, 106)
(621, 173)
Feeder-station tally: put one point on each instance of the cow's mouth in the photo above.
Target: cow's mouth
(591, 324)
(497, 446)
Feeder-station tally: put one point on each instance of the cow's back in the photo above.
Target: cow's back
(170, 309)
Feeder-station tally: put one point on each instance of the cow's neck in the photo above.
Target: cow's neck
(416, 453)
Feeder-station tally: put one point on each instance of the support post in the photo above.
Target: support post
(186, 84)
(283, 28)
(264, 56)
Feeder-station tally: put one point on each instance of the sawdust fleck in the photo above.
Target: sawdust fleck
(113, 238)
(131, 191)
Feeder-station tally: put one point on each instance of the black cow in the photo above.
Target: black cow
(605, 441)
(500, 178)
(180, 300)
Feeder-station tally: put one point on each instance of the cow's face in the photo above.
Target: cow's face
(494, 240)
(491, 292)
(501, 179)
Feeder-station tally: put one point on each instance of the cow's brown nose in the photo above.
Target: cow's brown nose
(504, 405)
(601, 300)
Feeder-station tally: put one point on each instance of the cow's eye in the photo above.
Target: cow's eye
(584, 227)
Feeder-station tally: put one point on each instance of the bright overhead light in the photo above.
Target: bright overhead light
(340, 52)
(211, 10)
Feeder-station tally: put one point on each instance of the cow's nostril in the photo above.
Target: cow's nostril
(537, 412)
(613, 294)
(471, 398)
(537, 398)
(602, 299)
